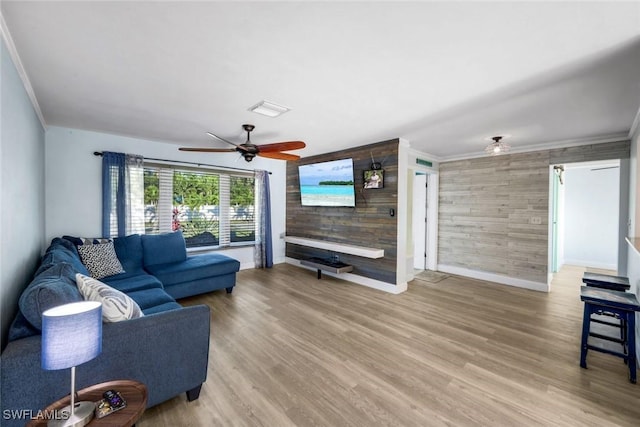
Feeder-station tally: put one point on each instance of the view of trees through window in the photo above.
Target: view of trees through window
(211, 209)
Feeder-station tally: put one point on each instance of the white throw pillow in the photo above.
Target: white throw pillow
(116, 306)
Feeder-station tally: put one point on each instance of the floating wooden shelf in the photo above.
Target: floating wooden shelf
(336, 247)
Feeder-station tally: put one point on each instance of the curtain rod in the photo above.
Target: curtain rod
(99, 153)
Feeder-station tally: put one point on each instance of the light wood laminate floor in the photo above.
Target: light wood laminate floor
(290, 350)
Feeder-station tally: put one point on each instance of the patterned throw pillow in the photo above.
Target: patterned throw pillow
(100, 259)
(116, 306)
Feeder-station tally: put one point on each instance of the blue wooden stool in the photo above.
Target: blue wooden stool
(623, 305)
(615, 283)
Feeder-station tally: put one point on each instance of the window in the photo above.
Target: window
(211, 208)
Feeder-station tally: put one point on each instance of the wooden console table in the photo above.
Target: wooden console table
(133, 392)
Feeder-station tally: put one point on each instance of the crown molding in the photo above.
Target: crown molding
(622, 136)
(13, 52)
(429, 156)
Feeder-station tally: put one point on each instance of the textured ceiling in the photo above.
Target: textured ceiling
(442, 75)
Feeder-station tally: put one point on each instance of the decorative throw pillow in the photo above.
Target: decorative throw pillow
(100, 259)
(91, 240)
(116, 306)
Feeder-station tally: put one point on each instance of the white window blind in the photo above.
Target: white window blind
(225, 220)
(212, 208)
(165, 200)
(243, 212)
(135, 202)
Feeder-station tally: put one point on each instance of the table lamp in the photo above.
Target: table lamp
(71, 336)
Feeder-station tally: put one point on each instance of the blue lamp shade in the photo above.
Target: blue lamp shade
(71, 334)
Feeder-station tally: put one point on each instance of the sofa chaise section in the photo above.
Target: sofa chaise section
(165, 257)
(197, 274)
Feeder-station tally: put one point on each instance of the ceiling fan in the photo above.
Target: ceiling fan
(249, 150)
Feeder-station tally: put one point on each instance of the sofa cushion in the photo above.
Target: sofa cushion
(193, 268)
(100, 259)
(172, 305)
(129, 251)
(163, 248)
(21, 328)
(61, 250)
(65, 243)
(116, 306)
(75, 240)
(149, 298)
(53, 286)
(132, 281)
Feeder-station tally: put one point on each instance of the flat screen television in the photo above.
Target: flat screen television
(327, 183)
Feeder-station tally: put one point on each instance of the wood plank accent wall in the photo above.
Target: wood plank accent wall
(368, 224)
(587, 153)
(486, 206)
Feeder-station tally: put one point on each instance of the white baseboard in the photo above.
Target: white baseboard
(492, 277)
(584, 263)
(250, 265)
(360, 280)
(247, 265)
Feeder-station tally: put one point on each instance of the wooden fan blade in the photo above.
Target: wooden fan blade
(281, 146)
(279, 156)
(208, 150)
(213, 135)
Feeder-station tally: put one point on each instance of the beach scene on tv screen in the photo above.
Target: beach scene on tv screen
(327, 184)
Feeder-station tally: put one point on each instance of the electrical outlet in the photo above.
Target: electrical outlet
(535, 220)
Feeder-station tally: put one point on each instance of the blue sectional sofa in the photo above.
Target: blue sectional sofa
(167, 349)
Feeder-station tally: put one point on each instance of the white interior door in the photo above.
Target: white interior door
(419, 220)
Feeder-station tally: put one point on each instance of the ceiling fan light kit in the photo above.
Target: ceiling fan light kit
(248, 150)
(497, 146)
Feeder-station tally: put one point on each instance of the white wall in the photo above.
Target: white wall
(591, 215)
(74, 182)
(633, 256)
(21, 189)
(623, 218)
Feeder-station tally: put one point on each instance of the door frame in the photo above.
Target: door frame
(420, 197)
(431, 243)
(623, 215)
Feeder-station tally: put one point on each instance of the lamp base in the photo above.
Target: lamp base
(82, 415)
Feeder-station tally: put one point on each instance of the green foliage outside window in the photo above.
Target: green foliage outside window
(242, 191)
(151, 197)
(195, 190)
(196, 206)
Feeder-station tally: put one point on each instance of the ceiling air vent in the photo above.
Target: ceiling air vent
(269, 109)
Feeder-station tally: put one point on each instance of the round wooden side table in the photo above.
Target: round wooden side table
(133, 392)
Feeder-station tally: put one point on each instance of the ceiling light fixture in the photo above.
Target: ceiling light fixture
(497, 146)
(269, 109)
